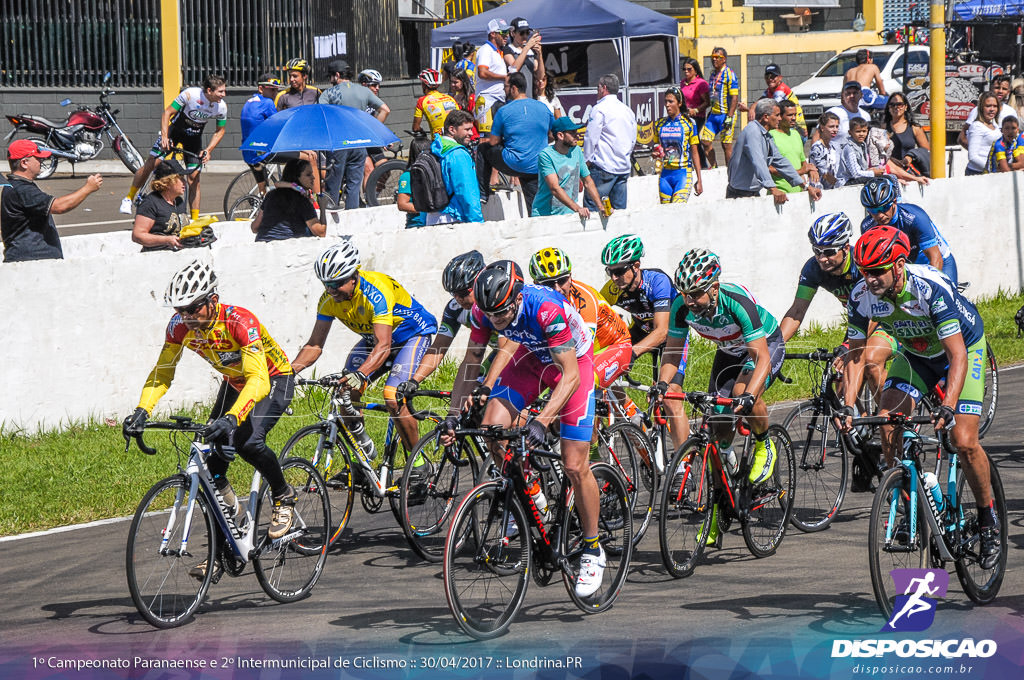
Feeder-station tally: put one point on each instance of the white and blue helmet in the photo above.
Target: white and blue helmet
(831, 231)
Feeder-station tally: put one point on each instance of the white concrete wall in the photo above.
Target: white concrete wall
(81, 334)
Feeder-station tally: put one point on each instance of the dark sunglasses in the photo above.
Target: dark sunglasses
(825, 252)
(462, 293)
(193, 308)
(525, 31)
(877, 211)
(335, 285)
(875, 271)
(560, 281)
(618, 271)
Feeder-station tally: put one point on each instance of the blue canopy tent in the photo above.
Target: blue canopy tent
(573, 21)
(988, 9)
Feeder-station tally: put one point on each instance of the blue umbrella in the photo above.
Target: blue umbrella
(318, 127)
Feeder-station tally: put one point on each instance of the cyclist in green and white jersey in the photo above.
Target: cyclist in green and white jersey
(750, 349)
(942, 336)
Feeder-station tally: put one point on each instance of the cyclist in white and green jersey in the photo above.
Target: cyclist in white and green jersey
(942, 336)
(750, 349)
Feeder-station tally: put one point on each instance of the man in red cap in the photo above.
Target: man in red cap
(26, 212)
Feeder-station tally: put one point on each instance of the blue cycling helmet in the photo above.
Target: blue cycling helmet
(831, 231)
(878, 193)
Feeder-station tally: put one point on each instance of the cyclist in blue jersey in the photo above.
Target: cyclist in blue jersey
(927, 246)
(257, 109)
(677, 146)
(942, 336)
(554, 351)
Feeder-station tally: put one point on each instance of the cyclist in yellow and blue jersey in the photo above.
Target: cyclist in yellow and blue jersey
(391, 323)
(677, 148)
(725, 96)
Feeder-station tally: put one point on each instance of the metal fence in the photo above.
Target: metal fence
(72, 43)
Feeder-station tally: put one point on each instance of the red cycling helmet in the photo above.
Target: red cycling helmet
(880, 247)
(430, 77)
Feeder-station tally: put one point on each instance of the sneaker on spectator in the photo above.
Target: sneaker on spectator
(591, 573)
(126, 206)
(283, 515)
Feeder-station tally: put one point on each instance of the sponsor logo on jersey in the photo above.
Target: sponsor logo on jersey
(254, 334)
(939, 305)
(881, 308)
(969, 409)
(969, 316)
(229, 358)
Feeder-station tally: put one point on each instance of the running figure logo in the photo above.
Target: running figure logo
(914, 610)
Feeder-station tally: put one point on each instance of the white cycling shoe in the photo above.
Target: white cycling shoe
(591, 574)
(126, 206)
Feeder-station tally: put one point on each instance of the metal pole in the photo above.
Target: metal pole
(170, 42)
(937, 68)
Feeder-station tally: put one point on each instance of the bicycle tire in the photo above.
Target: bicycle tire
(982, 585)
(486, 572)
(241, 185)
(245, 208)
(382, 184)
(885, 510)
(428, 503)
(991, 398)
(822, 467)
(289, 568)
(772, 506)
(626, 448)
(614, 529)
(308, 443)
(686, 505)
(158, 579)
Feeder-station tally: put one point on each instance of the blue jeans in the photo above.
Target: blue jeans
(612, 186)
(348, 166)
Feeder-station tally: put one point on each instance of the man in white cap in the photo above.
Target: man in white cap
(491, 69)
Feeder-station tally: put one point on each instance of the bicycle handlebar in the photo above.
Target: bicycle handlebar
(177, 424)
(893, 419)
(820, 354)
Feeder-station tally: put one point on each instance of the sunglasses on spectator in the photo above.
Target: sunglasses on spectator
(193, 308)
(897, 103)
(875, 271)
(618, 271)
(525, 31)
(825, 252)
(560, 281)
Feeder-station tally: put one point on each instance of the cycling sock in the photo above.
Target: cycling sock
(987, 516)
(132, 192)
(194, 214)
(591, 544)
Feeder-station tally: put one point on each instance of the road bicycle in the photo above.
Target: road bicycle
(333, 448)
(701, 479)
(381, 186)
(913, 527)
(499, 538)
(182, 525)
(243, 197)
(989, 401)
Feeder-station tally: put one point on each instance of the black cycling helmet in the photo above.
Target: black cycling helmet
(878, 194)
(460, 273)
(497, 286)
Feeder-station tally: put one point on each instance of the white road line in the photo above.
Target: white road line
(126, 220)
(60, 530)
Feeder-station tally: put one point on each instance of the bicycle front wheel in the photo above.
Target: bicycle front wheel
(981, 585)
(626, 448)
(822, 467)
(171, 534)
(331, 461)
(990, 400)
(487, 561)
(432, 486)
(771, 503)
(892, 542)
(686, 504)
(382, 184)
(243, 184)
(289, 567)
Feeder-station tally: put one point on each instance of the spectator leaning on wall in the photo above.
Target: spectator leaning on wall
(560, 169)
(26, 212)
(609, 142)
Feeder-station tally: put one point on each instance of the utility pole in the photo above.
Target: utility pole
(937, 98)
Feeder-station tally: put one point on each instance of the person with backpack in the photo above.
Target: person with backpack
(444, 183)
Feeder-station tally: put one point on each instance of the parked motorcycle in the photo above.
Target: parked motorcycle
(80, 137)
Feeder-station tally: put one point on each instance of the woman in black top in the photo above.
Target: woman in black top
(908, 138)
(162, 213)
(287, 211)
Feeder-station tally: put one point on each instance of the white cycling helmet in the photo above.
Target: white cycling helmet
(337, 263)
(194, 282)
(370, 76)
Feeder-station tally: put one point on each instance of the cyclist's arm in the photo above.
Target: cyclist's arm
(794, 317)
(257, 381)
(433, 356)
(502, 357)
(934, 256)
(465, 379)
(656, 337)
(214, 141)
(161, 377)
(956, 353)
(383, 112)
(417, 115)
(758, 351)
(165, 125)
(379, 354)
(564, 357)
(878, 82)
(314, 347)
(671, 358)
(854, 373)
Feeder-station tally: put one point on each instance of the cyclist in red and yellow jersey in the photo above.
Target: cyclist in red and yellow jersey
(433, 105)
(258, 384)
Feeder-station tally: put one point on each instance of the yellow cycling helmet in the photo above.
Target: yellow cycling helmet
(548, 264)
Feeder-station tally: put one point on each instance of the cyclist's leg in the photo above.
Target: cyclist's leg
(251, 437)
(725, 368)
(516, 388)
(879, 349)
(764, 453)
(406, 361)
(907, 382)
(965, 431)
(728, 135)
(665, 186)
(259, 173)
(576, 430)
(679, 423)
(683, 186)
(354, 362)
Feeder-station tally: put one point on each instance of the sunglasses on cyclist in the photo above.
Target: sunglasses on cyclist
(618, 271)
(335, 285)
(875, 271)
(825, 252)
(462, 293)
(559, 282)
(876, 211)
(193, 308)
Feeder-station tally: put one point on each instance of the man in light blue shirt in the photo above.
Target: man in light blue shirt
(560, 167)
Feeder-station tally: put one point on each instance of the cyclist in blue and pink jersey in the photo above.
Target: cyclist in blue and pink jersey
(554, 350)
(927, 246)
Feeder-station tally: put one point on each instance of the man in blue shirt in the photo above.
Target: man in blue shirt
(257, 109)
(560, 167)
(518, 135)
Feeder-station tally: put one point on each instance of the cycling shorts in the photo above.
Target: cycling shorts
(191, 144)
(525, 377)
(376, 153)
(259, 172)
(881, 334)
(612, 362)
(726, 367)
(715, 125)
(918, 375)
(405, 358)
(674, 185)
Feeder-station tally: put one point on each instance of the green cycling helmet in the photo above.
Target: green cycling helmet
(698, 269)
(627, 248)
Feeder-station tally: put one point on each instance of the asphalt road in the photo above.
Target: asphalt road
(65, 597)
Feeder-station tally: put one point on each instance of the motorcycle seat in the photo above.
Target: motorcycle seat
(41, 120)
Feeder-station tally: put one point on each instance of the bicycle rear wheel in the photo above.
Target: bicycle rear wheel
(432, 486)
(822, 467)
(614, 529)
(158, 558)
(990, 400)
(626, 448)
(331, 461)
(486, 563)
(889, 543)
(771, 504)
(288, 568)
(686, 504)
(981, 585)
(382, 184)
(243, 184)
(245, 208)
